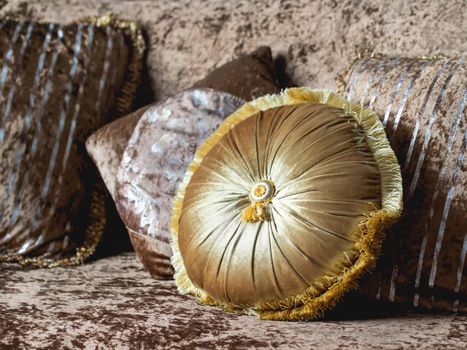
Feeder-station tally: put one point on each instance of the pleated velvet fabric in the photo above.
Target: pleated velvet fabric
(422, 103)
(327, 183)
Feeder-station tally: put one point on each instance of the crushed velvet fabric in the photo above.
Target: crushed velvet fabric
(312, 39)
(107, 145)
(119, 306)
(153, 164)
(422, 103)
(55, 89)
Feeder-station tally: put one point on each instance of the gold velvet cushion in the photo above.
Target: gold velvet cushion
(422, 103)
(58, 83)
(151, 148)
(284, 206)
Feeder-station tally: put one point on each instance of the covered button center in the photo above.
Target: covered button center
(261, 194)
(262, 191)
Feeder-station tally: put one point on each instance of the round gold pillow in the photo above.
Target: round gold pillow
(284, 206)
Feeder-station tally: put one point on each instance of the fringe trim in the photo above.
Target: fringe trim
(328, 290)
(123, 103)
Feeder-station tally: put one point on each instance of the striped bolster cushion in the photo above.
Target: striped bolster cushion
(58, 83)
(422, 105)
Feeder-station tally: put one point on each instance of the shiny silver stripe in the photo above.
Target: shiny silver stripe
(370, 81)
(421, 256)
(13, 87)
(9, 56)
(47, 89)
(38, 128)
(419, 270)
(433, 118)
(394, 94)
(447, 205)
(406, 95)
(114, 71)
(420, 113)
(460, 271)
(12, 180)
(376, 93)
(61, 124)
(74, 120)
(378, 293)
(407, 162)
(105, 69)
(355, 78)
(7, 60)
(392, 286)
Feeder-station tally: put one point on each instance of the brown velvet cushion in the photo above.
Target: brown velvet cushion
(422, 105)
(58, 83)
(217, 95)
(246, 77)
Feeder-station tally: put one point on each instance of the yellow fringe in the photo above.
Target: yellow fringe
(328, 290)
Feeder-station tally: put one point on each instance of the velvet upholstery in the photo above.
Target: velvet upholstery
(119, 305)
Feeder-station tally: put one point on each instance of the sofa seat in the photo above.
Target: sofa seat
(113, 303)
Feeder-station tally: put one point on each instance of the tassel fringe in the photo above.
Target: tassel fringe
(257, 211)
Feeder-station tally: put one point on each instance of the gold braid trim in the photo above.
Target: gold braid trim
(124, 102)
(93, 234)
(132, 78)
(342, 76)
(328, 290)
